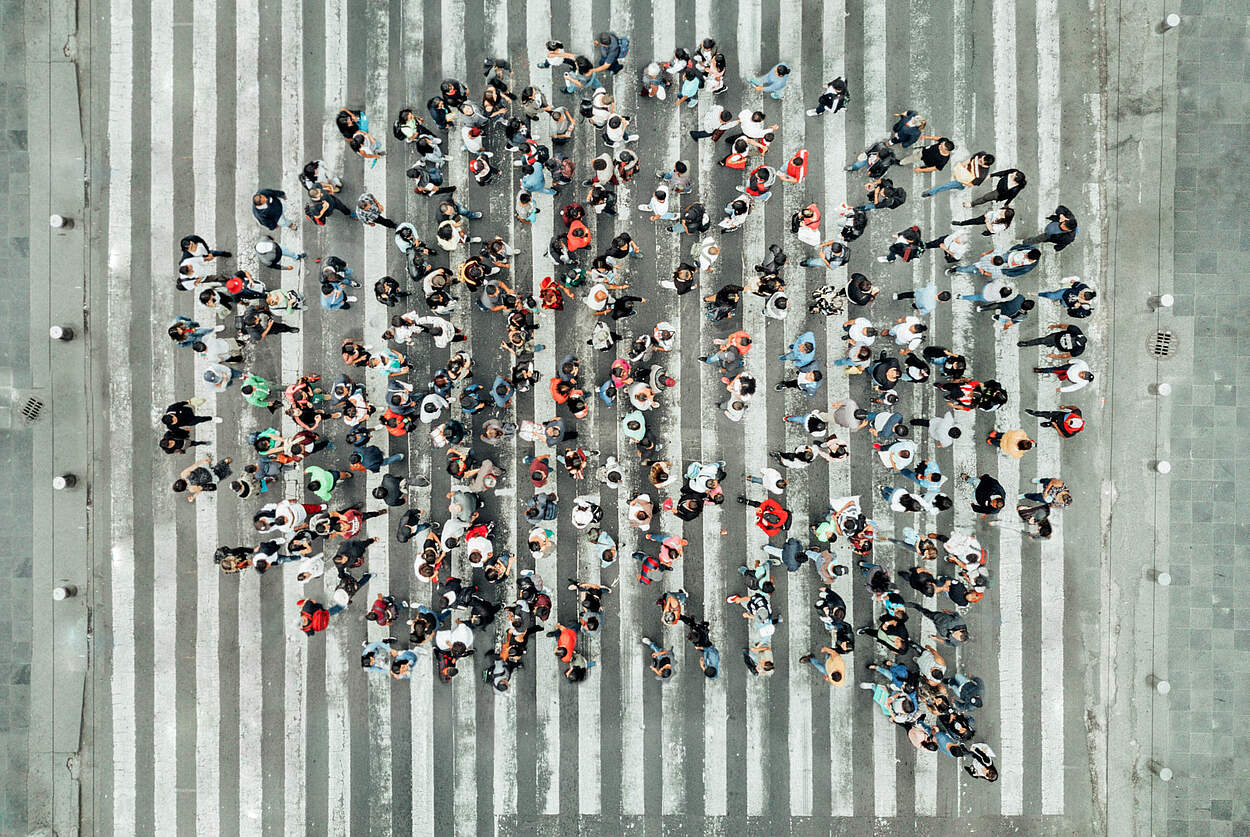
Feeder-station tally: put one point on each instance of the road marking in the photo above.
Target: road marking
(799, 593)
(925, 764)
(338, 640)
(1049, 126)
(841, 701)
(164, 529)
(589, 693)
(1007, 370)
(634, 660)
(207, 630)
(121, 434)
(373, 264)
(295, 673)
(715, 697)
(251, 692)
(876, 122)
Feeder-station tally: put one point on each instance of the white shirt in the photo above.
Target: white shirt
(772, 477)
(958, 244)
(772, 309)
(940, 430)
(199, 264)
(597, 301)
(658, 205)
(314, 566)
(618, 133)
(1075, 382)
(898, 455)
(707, 258)
(712, 120)
(905, 333)
(754, 130)
(480, 545)
(446, 638)
(856, 332)
(965, 547)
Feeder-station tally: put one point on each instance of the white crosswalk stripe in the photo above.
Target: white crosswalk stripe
(619, 748)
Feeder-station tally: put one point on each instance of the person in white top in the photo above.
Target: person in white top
(715, 123)
(752, 124)
(909, 332)
(616, 131)
(771, 479)
(859, 332)
(777, 306)
(1075, 374)
(707, 252)
(460, 635)
(660, 207)
(942, 429)
(899, 454)
(314, 566)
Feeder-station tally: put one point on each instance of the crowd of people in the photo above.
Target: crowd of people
(907, 670)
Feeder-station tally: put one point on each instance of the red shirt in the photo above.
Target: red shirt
(771, 517)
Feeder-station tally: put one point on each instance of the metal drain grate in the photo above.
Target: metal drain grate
(32, 410)
(1162, 344)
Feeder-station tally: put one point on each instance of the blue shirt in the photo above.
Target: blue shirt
(711, 658)
(926, 299)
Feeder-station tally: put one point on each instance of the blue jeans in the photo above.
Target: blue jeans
(976, 297)
(1054, 296)
(858, 164)
(392, 459)
(945, 187)
(195, 335)
(819, 665)
(813, 261)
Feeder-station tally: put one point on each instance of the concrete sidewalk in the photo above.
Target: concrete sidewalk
(58, 372)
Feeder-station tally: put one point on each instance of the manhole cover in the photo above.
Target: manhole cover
(32, 409)
(1162, 344)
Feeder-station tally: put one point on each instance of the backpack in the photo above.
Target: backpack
(313, 618)
(623, 43)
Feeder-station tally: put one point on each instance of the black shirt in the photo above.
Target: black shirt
(932, 156)
(1071, 340)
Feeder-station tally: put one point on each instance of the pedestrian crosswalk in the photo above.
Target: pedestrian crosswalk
(225, 719)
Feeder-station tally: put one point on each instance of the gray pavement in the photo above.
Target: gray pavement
(16, 560)
(1207, 621)
(210, 714)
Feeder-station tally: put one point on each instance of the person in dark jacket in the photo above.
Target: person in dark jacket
(1060, 231)
(1007, 184)
(612, 48)
(268, 210)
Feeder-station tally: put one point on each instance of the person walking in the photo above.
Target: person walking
(773, 82)
(1067, 420)
(1014, 443)
(268, 210)
(833, 97)
(830, 665)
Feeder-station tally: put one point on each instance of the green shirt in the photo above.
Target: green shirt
(325, 479)
(259, 396)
